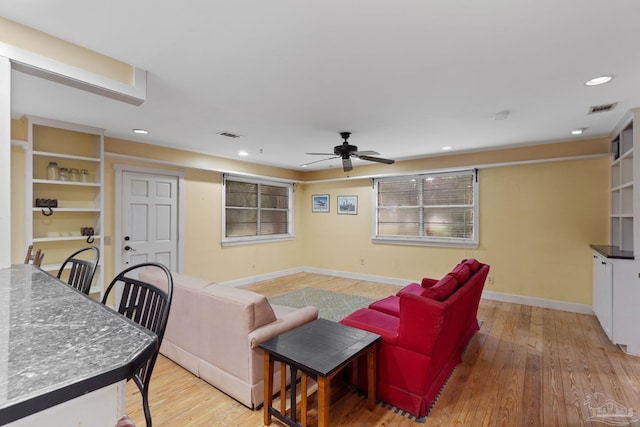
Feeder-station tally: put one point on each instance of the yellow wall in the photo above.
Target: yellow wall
(536, 220)
(203, 254)
(536, 223)
(18, 249)
(26, 38)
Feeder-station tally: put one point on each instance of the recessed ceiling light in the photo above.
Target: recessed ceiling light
(600, 80)
(578, 131)
(242, 153)
(141, 131)
(447, 148)
(304, 166)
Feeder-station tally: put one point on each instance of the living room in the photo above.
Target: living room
(540, 207)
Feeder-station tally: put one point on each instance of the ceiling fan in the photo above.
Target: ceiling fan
(346, 151)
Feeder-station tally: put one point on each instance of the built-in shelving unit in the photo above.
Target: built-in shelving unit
(79, 203)
(622, 189)
(616, 266)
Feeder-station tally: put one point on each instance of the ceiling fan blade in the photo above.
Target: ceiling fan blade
(321, 160)
(346, 165)
(377, 159)
(366, 153)
(321, 154)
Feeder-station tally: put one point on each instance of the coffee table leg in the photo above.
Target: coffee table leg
(303, 398)
(268, 387)
(371, 377)
(323, 401)
(292, 391)
(283, 388)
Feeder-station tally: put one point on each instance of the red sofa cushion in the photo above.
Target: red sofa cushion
(473, 264)
(460, 273)
(428, 282)
(411, 288)
(441, 290)
(390, 304)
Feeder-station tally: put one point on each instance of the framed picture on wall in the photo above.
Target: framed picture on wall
(347, 205)
(320, 203)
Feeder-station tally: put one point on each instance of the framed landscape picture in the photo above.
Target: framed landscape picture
(320, 203)
(348, 205)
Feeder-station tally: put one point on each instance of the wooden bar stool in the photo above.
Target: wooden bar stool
(34, 258)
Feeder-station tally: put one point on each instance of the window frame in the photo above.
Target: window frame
(472, 242)
(244, 240)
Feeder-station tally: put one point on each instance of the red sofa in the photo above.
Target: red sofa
(424, 328)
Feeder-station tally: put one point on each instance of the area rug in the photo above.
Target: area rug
(331, 305)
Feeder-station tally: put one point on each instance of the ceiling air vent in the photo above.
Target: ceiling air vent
(601, 108)
(229, 134)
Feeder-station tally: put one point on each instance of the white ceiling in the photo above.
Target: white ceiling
(406, 78)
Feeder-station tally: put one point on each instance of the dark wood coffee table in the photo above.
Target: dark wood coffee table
(319, 349)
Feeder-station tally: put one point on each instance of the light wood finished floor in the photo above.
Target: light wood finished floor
(526, 366)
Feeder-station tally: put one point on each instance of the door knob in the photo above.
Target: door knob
(129, 248)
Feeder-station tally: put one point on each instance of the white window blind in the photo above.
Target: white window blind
(256, 210)
(438, 208)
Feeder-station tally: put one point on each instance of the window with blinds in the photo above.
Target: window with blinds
(256, 210)
(438, 208)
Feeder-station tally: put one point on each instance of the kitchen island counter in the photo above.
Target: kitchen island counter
(57, 344)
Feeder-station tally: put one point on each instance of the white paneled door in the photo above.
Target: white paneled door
(149, 219)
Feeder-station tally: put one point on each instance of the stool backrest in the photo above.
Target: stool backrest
(81, 270)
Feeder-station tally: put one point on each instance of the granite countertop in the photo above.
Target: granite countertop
(57, 344)
(612, 252)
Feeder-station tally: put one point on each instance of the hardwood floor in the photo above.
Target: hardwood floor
(527, 366)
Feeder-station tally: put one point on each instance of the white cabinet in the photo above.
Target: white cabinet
(59, 232)
(603, 292)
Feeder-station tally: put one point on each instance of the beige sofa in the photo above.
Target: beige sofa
(214, 332)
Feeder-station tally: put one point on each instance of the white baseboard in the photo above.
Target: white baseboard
(260, 277)
(490, 295)
(538, 302)
(358, 276)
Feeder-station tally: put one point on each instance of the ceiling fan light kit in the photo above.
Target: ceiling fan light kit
(346, 151)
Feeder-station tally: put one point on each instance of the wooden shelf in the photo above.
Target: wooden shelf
(81, 203)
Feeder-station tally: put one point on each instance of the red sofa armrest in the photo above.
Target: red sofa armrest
(421, 322)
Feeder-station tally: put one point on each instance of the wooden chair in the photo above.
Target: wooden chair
(148, 306)
(34, 258)
(82, 270)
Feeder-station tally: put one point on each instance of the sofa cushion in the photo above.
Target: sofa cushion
(460, 273)
(389, 305)
(473, 264)
(155, 276)
(411, 288)
(441, 290)
(428, 282)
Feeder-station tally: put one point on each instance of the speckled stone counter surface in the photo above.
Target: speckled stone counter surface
(57, 344)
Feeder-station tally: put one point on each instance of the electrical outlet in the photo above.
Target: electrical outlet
(253, 267)
(361, 261)
(489, 280)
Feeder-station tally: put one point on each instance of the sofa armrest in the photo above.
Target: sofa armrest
(281, 325)
(421, 322)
